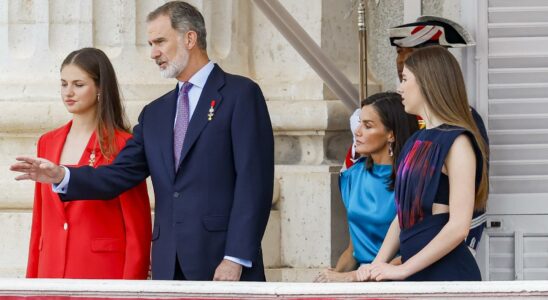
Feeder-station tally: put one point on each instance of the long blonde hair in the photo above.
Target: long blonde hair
(440, 79)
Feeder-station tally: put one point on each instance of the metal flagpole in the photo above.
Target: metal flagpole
(362, 40)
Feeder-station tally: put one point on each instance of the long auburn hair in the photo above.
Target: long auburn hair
(391, 111)
(110, 115)
(440, 79)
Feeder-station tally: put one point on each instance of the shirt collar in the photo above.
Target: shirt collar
(199, 78)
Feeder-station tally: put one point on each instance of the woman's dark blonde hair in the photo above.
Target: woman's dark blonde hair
(440, 79)
(110, 111)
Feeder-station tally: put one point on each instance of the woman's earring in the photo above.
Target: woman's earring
(98, 95)
(390, 149)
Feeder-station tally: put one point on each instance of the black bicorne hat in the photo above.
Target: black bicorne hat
(430, 30)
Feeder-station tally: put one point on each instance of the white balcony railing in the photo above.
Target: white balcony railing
(110, 289)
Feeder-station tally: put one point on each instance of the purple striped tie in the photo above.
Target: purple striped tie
(181, 124)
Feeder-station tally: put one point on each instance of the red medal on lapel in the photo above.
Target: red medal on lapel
(211, 111)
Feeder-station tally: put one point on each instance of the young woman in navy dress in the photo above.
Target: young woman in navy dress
(441, 179)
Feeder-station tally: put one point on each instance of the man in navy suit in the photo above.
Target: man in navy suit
(209, 149)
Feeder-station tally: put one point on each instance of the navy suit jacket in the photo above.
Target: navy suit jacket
(218, 202)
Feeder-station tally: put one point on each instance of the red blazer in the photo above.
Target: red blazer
(88, 239)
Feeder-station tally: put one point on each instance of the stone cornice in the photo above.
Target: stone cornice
(31, 114)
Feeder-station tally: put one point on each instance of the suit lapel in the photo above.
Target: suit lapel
(56, 145)
(199, 119)
(165, 124)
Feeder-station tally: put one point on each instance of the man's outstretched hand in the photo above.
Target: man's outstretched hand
(38, 169)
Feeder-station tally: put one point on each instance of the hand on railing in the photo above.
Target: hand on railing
(329, 275)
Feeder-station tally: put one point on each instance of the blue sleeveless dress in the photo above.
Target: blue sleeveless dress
(416, 189)
(370, 207)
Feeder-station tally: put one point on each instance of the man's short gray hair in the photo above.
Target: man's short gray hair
(184, 17)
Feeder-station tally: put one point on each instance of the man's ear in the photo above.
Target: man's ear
(191, 39)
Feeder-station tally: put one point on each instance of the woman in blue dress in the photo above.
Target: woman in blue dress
(441, 178)
(367, 188)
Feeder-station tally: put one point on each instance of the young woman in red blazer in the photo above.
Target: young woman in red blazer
(89, 239)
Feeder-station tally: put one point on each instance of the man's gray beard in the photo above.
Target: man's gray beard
(175, 67)
(171, 71)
